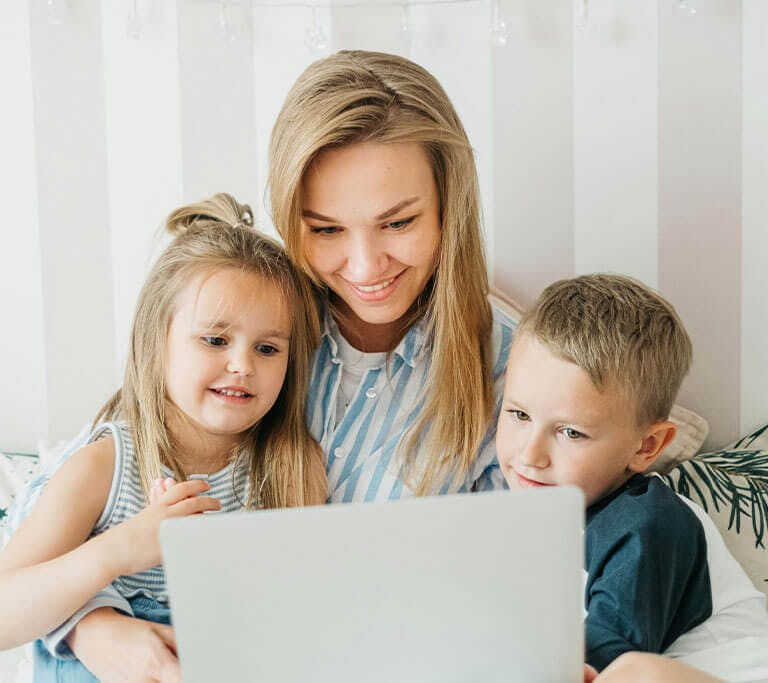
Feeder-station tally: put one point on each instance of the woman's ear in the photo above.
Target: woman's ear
(655, 439)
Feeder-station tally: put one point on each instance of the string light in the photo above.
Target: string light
(405, 19)
(315, 38)
(499, 30)
(57, 10)
(134, 23)
(582, 22)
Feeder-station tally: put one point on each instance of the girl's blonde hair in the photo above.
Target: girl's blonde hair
(284, 462)
(357, 96)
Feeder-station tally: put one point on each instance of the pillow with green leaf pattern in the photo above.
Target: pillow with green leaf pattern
(732, 486)
(15, 471)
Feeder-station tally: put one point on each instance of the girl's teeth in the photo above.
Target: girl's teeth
(226, 392)
(375, 288)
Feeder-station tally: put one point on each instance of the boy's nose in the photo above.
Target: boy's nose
(535, 453)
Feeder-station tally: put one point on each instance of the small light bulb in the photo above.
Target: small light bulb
(58, 11)
(315, 38)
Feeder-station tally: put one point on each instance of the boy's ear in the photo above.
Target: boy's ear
(655, 439)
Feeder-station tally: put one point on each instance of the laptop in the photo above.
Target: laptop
(476, 588)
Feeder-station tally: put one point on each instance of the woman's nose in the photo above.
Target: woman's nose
(366, 260)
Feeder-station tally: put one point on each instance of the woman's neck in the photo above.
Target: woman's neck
(365, 336)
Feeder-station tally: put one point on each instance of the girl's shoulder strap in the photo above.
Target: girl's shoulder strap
(123, 446)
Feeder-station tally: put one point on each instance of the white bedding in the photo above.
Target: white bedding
(741, 661)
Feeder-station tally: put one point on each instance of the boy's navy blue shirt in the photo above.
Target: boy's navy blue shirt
(648, 578)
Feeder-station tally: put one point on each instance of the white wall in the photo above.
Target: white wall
(637, 144)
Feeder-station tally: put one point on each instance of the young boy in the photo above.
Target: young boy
(591, 378)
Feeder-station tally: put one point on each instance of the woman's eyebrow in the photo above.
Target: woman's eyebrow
(397, 207)
(308, 213)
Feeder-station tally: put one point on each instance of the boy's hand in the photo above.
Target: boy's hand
(590, 673)
(136, 542)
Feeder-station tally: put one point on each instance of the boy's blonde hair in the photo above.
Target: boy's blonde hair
(358, 96)
(621, 333)
(284, 462)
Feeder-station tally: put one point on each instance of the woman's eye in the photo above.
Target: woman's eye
(215, 341)
(572, 434)
(399, 225)
(266, 349)
(324, 230)
(519, 415)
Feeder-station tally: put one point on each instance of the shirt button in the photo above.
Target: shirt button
(371, 392)
(335, 361)
(339, 452)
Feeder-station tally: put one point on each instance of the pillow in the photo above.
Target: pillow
(732, 487)
(692, 429)
(15, 471)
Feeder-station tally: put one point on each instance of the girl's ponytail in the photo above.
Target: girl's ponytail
(222, 209)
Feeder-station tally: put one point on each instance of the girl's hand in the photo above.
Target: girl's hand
(120, 649)
(136, 542)
(159, 487)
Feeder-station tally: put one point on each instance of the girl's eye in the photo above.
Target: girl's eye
(324, 230)
(399, 225)
(572, 434)
(519, 415)
(266, 349)
(215, 341)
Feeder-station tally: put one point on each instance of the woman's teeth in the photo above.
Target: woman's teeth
(374, 288)
(227, 392)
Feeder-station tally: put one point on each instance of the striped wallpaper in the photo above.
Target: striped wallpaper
(637, 144)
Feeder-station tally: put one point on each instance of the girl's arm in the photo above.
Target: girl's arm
(48, 570)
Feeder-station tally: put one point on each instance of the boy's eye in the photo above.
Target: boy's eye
(266, 349)
(519, 415)
(399, 225)
(215, 341)
(572, 434)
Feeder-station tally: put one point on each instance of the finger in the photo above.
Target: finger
(184, 490)
(155, 492)
(590, 673)
(194, 506)
(167, 483)
(167, 635)
(166, 667)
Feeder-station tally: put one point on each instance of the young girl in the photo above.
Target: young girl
(213, 398)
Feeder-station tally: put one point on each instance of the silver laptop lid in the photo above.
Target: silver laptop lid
(482, 588)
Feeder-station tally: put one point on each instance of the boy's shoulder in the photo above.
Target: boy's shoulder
(648, 510)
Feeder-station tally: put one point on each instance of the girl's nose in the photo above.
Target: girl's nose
(240, 362)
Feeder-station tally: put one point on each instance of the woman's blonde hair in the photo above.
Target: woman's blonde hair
(284, 463)
(356, 96)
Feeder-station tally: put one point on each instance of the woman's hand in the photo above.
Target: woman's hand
(121, 649)
(136, 542)
(590, 673)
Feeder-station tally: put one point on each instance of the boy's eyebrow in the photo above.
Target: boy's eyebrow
(308, 213)
(223, 325)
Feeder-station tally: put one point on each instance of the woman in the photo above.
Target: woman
(374, 189)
